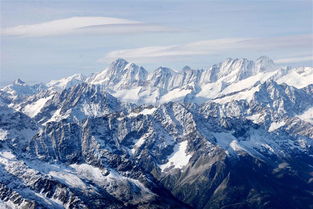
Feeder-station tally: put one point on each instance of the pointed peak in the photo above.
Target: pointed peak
(77, 76)
(120, 61)
(186, 67)
(265, 63)
(271, 84)
(163, 70)
(19, 82)
(264, 59)
(235, 62)
(228, 59)
(131, 65)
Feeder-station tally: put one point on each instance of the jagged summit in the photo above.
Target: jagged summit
(264, 59)
(19, 82)
(120, 74)
(120, 60)
(118, 63)
(133, 83)
(186, 67)
(264, 63)
(67, 82)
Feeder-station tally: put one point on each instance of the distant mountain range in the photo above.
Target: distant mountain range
(238, 134)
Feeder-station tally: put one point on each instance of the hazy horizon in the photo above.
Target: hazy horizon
(46, 40)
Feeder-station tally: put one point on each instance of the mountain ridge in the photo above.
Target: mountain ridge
(237, 135)
(132, 83)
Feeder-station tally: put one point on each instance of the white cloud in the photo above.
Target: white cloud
(212, 47)
(295, 59)
(81, 25)
(194, 48)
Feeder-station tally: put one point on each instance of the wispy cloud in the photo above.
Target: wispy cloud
(295, 59)
(78, 25)
(212, 47)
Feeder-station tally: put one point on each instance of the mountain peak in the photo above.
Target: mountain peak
(186, 67)
(120, 61)
(19, 82)
(264, 59)
(118, 65)
(130, 66)
(264, 63)
(162, 69)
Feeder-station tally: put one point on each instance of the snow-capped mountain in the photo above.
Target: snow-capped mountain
(59, 85)
(18, 91)
(132, 83)
(238, 134)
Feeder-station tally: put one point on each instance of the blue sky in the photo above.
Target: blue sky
(44, 40)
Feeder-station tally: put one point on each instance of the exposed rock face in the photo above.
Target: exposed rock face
(237, 136)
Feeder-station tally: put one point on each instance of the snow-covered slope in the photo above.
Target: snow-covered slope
(236, 135)
(59, 85)
(132, 83)
(233, 79)
(18, 91)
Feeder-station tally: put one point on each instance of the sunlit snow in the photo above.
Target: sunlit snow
(179, 158)
(307, 115)
(34, 108)
(146, 111)
(299, 77)
(276, 125)
(3, 134)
